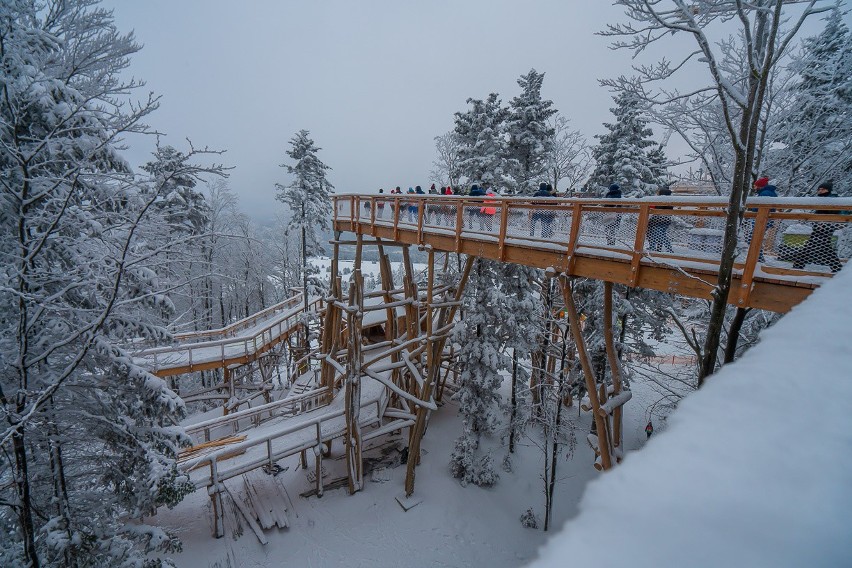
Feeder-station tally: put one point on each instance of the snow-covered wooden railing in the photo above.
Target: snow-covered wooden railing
(788, 246)
(233, 329)
(201, 431)
(254, 341)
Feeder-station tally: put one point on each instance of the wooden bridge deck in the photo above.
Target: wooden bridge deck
(237, 344)
(620, 240)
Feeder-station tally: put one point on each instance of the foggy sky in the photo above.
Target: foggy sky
(374, 82)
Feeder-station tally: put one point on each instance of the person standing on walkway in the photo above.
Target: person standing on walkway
(611, 221)
(819, 249)
(658, 226)
(544, 217)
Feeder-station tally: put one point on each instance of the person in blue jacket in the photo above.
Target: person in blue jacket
(762, 188)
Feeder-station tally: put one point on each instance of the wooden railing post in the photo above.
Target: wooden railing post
(398, 205)
(754, 248)
(459, 223)
(421, 212)
(504, 222)
(573, 237)
(639, 243)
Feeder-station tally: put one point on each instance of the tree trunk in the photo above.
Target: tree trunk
(734, 334)
(514, 401)
(744, 147)
(25, 512)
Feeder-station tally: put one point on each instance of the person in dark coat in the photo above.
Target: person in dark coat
(475, 191)
(658, 226)
(611, 221)
(820, 246)
(545, 217)
(412, 206)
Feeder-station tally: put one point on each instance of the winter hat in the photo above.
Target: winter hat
(433, 186)
(381, 191)
(474, 187)
(410, 190)
(825, 185)
(665, 191)
(761, 183)
(614, 187)
(542, 186)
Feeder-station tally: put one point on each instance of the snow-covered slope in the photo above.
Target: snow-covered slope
(753, 470)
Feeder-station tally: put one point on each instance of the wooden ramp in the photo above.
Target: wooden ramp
(620, 240)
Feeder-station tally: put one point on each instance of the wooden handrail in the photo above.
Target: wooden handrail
(696, 223)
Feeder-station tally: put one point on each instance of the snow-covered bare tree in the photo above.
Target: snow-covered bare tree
(530, 134)
(765, 29)
(308, 198)
(446, 169)
(89, 438)
(622, 154)
(570, 158)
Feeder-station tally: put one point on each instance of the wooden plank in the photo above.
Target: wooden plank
(243, 509)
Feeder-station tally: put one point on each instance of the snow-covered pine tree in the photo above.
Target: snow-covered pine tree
(185, 213)
(530, 135)
(308, 198)
(621, 154)
(521, 330)
(482, 147)
(481, 358)
(816, 130)
(89, 439)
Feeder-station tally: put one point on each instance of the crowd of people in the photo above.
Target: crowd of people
(818, 249)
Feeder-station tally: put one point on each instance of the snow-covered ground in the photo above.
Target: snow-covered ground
(453, 526)
(755, 469)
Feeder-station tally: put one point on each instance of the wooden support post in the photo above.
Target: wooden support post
(588, 370)
(446, 317)
(218, 510)
(352, 401)
(229, 382)
(614, 367)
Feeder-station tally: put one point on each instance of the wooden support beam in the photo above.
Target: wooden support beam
(588, 370)
(446, 317)
(354, 462)
(612, 358)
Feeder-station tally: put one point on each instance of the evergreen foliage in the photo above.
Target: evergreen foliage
(481, 358)
(816, 130)
(530, 136)
(89, 438)
(308, 198)
(623, 154)
(482, 153)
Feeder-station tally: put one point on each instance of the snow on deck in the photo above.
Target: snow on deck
(248, 341)
(753, 470)
(287, 435)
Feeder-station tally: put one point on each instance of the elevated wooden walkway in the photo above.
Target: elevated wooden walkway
(237, 344)
(662, 243)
